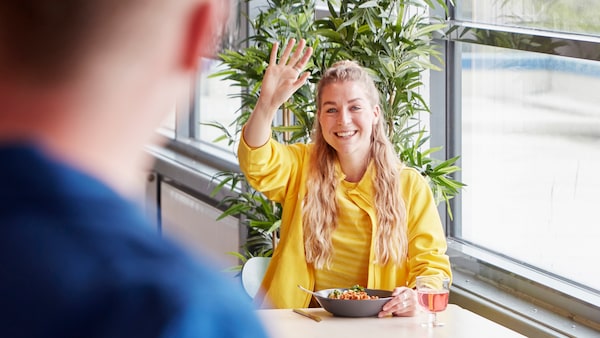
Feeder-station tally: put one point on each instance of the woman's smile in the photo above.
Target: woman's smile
(347, 116)
(346, 134)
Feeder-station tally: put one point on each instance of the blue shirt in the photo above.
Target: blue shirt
(78, 260)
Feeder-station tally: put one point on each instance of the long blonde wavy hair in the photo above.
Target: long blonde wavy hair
(320, 209)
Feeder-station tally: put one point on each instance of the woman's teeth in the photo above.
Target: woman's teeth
(346, 133)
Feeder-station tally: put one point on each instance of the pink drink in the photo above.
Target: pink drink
(433, 300)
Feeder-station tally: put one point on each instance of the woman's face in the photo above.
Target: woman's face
(347, 117)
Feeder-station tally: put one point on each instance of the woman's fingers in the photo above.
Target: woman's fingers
(298, 59)
(407, 302)
(283, 60)
(297, 53)
(273, 56)
(403, 303)
(284, 76)
(305, 57)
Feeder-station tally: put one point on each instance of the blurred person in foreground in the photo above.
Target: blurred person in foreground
(83, 85)
(352, 212)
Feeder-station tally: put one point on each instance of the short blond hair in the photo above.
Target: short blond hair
(47, 39)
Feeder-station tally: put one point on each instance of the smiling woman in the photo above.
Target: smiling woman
(345, 196)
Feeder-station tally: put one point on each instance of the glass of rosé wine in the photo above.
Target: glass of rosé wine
(433, 292)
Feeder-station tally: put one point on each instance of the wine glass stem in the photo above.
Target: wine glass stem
(432, 319)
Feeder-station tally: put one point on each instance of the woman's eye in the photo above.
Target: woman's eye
(355, 108)
(331, 110)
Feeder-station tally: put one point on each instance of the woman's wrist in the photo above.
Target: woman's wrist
(265, 111)
(257, 130)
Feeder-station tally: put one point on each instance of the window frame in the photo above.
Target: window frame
(514, 294)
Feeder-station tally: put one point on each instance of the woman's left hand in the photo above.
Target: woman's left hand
(404, 303)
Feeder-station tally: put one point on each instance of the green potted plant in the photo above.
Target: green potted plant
(391, 38)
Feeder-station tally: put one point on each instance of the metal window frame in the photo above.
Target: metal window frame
(514, 294)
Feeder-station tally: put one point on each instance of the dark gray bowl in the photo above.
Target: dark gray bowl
(353, 308)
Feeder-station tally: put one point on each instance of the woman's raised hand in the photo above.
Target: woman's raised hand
(285, 77)
(281, 80)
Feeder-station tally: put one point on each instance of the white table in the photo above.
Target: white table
(459, 323)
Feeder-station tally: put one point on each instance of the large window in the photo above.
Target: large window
(217, 104)
(570, 16)
(531, 156)
(523, 114)
(214, 102)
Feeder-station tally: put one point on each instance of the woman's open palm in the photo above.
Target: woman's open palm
(282, 79)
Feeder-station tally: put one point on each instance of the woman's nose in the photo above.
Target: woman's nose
(343, 117)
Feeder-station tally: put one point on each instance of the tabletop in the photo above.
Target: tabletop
(458, 322)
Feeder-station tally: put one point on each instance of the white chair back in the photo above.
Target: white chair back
(253, 272)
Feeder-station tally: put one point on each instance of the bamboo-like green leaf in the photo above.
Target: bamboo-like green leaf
(348, 22)
(238, 255)
(368, 4)
(276, 225)
(220, 186)
(233, 210)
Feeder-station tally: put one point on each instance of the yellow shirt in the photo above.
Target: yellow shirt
(351, 242)
(279, 171)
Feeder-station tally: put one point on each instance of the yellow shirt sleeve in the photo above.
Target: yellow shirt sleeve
(272, 168)
(426, 237)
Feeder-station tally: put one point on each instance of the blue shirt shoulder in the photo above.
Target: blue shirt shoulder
(78, 260)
